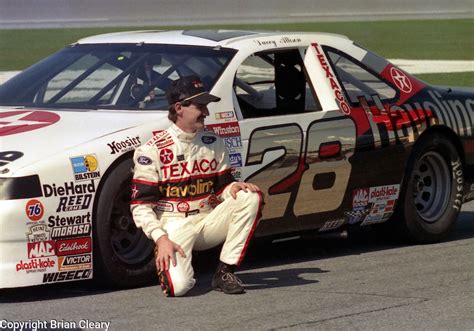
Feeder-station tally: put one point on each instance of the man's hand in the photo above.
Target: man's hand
(241, 186)
(166, 251)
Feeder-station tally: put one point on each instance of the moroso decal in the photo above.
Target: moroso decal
(14, 122)
(340, 99)
(69, 226)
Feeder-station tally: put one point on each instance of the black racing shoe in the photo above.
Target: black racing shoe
(226, 281)
(165, 284)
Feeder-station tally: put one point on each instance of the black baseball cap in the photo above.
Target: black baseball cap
(189, 88)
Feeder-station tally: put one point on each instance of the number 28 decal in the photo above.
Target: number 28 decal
(300, 172)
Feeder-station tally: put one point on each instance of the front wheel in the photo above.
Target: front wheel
(123, 256)
(431, 195)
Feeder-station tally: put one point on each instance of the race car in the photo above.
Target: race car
(334, 135)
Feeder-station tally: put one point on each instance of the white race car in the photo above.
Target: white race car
(333, 134)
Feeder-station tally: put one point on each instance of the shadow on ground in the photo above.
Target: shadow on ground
(261, 253)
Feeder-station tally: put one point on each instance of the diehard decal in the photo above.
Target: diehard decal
(73, 196)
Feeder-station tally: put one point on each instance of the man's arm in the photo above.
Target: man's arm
(145, 194)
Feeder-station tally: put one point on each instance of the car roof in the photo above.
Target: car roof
(193, 37)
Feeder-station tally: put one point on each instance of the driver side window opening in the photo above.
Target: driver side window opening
(356, 80)
(274, 83)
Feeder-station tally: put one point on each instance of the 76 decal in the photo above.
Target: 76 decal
(34, 210)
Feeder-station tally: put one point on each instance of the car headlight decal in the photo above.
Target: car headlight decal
(20, 187)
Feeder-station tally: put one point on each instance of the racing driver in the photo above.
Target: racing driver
(184, 196)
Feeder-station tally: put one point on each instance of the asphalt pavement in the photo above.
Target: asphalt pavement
(306, 284)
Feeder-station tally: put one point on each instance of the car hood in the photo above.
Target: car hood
(31, 135)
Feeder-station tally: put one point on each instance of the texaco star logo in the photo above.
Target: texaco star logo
(13, 122)
(134, 192)
(166, 156)
(401, 80)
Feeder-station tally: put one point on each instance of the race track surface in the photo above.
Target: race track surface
(355, 283)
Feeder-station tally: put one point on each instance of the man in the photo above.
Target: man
(185, 198)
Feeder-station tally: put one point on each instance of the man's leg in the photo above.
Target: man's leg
(178, 280)
(232, 222)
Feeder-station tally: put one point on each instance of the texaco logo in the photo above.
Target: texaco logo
(401, 80)
(13, 122)
(166, 156)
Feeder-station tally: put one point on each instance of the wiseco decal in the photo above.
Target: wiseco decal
(343, 105)
(13, 122)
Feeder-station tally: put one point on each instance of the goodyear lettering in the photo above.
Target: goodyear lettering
(70, 188)
(459, 182)
(124, 145)
(66, 275)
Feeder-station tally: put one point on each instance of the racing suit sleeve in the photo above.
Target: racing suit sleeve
(145, 192)
(224, 179)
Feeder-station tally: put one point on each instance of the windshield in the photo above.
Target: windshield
(114, 76)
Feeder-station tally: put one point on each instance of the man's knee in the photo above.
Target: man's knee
(249, 199)
(181, 285)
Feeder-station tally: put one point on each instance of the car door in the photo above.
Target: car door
(294, 147)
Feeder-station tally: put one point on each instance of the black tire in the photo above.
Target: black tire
(123, 256)
(431, 195)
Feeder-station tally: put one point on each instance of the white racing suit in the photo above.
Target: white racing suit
(181, 187)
